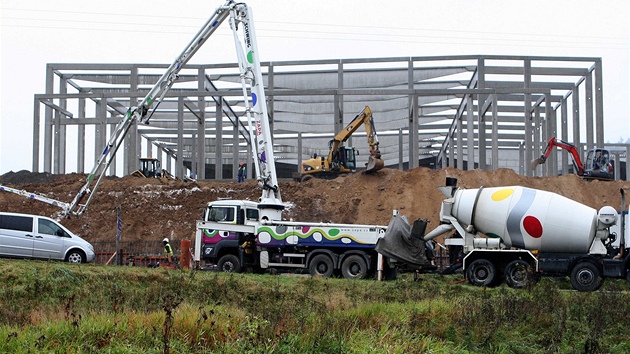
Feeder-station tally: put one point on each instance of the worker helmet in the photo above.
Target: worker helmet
(241, 163)
(165, 240)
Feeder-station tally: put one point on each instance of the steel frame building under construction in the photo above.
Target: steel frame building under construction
(473, 111)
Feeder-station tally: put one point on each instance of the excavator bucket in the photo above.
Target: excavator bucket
(138, 173)
(535, 162)
(374, 164)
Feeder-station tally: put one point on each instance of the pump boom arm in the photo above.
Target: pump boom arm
(256, 109)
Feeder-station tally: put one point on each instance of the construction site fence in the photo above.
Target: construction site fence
(138, 253)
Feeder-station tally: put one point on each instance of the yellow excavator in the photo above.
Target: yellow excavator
(151, 168)
(341, 159)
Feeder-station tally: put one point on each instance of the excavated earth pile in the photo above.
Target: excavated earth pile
(152, 208)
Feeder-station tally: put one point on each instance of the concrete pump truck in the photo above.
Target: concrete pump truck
(238, 235)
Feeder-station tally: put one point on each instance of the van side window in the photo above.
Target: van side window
(50, 228)
(17, 223)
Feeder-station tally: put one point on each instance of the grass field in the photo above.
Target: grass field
(63, 308)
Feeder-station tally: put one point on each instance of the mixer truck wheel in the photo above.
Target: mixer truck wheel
(517, 273)
(586, 276)
(481, 273)
(321, 265)
(354, 267)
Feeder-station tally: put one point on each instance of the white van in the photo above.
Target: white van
(33, 236)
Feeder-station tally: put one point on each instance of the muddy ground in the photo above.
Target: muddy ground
(152, 209)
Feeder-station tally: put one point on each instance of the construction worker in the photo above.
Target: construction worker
(168, 250)
(242, 172)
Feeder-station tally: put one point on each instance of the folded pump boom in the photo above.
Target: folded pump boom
(240, 16)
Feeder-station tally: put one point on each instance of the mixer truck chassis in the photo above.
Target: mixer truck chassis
(517, 268)
(516, 234)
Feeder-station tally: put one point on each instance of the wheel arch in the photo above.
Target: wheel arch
(75, 249)
(221, 248)
(587, 258)
(500, 258)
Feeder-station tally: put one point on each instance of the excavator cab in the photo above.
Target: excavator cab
(149, 168)
(599, 165)
(344, 160)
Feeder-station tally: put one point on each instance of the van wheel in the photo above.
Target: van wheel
(481, 273)
(586, 276)
(229, 263)
(354, 267)
(321, 265)
(76, 256)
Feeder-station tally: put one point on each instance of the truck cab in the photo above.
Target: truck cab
(240, 212)
(227, 249)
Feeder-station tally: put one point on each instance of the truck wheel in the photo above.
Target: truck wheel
(321, 265)
(628, 278)
(585, 276)
(481, 273)
(354, 267)
(517, 273)
(229, 263)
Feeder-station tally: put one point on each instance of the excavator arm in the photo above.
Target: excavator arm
(553, 142)
(363, 118)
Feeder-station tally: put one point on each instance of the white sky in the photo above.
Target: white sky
(34, 33)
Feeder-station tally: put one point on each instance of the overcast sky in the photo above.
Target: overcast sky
(35, 33)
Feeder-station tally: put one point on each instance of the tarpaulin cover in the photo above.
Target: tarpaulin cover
(398, 243)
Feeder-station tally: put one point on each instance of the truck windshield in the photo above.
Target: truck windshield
(221, 214)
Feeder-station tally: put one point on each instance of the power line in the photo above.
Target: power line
(284, 24)
(389, 38)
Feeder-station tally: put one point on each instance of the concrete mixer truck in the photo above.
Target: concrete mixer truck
(512, 233)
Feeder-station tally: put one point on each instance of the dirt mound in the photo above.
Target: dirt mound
(24, 176)
(155, 208)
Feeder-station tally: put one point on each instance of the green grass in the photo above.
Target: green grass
(55, 307)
